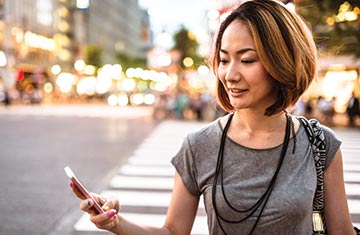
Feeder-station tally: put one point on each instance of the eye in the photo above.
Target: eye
(223, 61)
(247, 61)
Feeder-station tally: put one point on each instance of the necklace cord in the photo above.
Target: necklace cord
(261, 202)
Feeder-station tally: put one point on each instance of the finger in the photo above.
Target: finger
(108, 205)
(87, 206)
(111, 203)
(100, 199)
(107, 220)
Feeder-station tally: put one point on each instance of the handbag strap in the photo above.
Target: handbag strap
(317, 139)
(318, 145)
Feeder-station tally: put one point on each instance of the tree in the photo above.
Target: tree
(93, 55)
(128, 61)
(335, 24)
(186, 43)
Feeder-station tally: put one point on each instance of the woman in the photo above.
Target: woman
(264, 59)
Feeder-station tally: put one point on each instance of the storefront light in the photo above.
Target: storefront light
(64, 54)
(79, 65)
(339, 84)
(3, 59)
(63, 12)
(86, 86)
(188, 62)
(48, 87)
(65, 82)
(112, 100)
(149, 99)
(104, 83)
(116, 71)
(39, 41)
(164, 60)
(137, 99)
(89, 70)
(123, 100)
(82, 4)
(128, 84)
(55, 69)
(130, 72)
(203, 70)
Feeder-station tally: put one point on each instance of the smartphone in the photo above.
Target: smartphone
(82, 189)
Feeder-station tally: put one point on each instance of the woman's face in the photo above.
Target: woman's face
(241, 71)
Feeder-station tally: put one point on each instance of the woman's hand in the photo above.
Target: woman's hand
(111, 206)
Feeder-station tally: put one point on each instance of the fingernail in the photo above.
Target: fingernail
(106, 208)
(88, 203)
(111, 213)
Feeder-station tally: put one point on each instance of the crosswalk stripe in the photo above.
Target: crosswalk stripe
(131, 169)
(120, 181)
(354, 206)
(148, 161)
(352, 177)
(352, 189)
(351, 166)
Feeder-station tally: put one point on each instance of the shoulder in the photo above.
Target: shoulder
(324, 134)
(317, 128)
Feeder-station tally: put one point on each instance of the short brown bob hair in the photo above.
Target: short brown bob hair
(284, 45)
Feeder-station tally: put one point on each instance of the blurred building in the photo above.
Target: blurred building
(120, 26)
(47, 32)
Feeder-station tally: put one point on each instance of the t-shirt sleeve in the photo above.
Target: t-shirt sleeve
(332, 145)
(184, 163)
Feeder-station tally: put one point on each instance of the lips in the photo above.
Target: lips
(235, 92)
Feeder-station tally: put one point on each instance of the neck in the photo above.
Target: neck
(258, 122)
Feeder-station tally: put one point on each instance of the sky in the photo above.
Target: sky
(169, 15)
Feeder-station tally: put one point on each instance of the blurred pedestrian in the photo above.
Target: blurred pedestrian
(299, 108)
(254, 166)
(327, 109)
(181, 104)
(309, 109)
(353, 109)
(7, 99)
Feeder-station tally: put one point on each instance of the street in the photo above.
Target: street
(37, 143)
(109, 151)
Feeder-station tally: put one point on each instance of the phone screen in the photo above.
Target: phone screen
(82, 189)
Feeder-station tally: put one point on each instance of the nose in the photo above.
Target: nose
(233, 73)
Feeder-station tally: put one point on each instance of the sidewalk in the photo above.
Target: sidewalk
(79, 110)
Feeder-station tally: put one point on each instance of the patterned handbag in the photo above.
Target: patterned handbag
(317, 140)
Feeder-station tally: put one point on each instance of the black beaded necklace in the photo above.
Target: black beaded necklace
(261, 202)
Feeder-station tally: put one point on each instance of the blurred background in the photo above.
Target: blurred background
(111, 87)
(153, 53)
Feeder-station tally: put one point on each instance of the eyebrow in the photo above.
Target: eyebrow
(242, 51)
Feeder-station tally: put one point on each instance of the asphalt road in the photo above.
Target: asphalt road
(35, 197)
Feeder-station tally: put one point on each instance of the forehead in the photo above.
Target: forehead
(237, 34)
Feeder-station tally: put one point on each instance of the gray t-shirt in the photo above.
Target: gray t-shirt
(247, 174)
